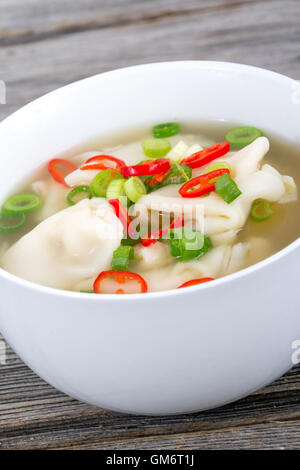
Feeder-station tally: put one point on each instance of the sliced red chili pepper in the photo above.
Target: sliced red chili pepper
(121, 277)
(202, 184)
(177, 223)
(103, 162)
(122, 214)
(194, 282)
(207, 155)
(152, 167)
(56, 167)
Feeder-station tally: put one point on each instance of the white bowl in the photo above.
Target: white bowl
(158, 353)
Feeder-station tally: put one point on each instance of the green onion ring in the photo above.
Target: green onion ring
(115, 189)
(156, 148)
(22, 203)
(10, 223)
(261, 210)
(122, 257)
(134, 188)
(239, 137)
(102, 180)
(165, 130)
(79, 189)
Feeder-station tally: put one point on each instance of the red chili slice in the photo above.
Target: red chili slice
(57, 173)
(152, 167)
(202, 184)
(194, 282)
(207, 155)
(122, 214)
(121, 277)
(103, 162)
(177, 223)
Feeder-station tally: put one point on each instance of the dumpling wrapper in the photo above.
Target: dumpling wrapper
(54, 197)
(291, 191)
(75, 244)
(79, 177)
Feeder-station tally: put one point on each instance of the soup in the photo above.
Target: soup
(148, 211)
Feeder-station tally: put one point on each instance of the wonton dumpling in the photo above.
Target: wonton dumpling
(211, 214)
(217, 262)
(76, 243)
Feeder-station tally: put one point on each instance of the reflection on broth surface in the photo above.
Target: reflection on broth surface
(69, 248)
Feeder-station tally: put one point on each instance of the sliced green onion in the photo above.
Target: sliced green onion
(175, 242)
(22, 203)
(239, 137)
(165, 130)
(101, 181)
(219, 166)
(130, 241)
(227, 188)
(261, 210)
(122, 257)
(115, 189)
(177, 175)
(134, 188)
(82, 190)
(182, 172)
(10, 223)
(156, 148)
(87, 291)
(186, 244)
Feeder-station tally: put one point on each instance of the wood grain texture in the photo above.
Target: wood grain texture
(82, 38)
(44, 45)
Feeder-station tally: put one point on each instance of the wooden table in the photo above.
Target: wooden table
(47, 44)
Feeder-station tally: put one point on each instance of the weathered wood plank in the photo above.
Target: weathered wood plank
(24, 20)
(279, 436)
(265, 34)
(34, 415)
